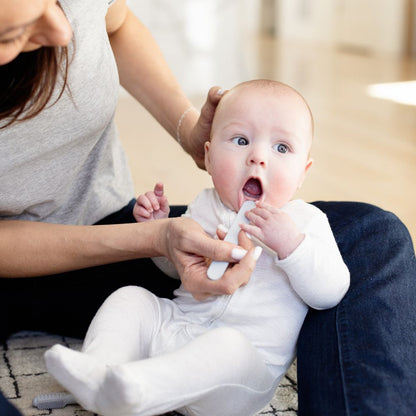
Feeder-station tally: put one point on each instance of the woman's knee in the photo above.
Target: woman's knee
(386, 238)
(360, 217)
(389, 223)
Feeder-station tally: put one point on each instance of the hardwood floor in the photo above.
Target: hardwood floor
(364, 149)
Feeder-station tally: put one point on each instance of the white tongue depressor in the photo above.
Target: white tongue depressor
(218, 268)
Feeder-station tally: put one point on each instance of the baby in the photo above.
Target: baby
(223, 355)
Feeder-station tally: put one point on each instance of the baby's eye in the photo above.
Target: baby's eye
(281, 148)
(240, 141)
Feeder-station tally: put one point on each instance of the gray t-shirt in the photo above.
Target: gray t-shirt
(67, 164)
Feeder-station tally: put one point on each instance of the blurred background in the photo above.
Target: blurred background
(353, 60)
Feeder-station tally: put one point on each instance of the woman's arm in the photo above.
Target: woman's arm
(147, 76)
(144, 71)
(32, 249)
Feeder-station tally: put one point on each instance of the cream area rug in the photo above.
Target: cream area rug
(23, 376)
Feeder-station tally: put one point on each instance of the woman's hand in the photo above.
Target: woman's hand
(189, 247)
(201, 131)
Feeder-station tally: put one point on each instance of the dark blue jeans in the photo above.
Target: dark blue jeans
(356, 359)
(359, 358)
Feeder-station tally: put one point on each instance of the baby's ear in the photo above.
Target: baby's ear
(207, 158)
(308, 165)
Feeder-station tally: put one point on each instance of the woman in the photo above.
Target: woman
(63, 169)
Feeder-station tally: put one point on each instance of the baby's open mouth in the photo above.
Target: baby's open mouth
(253, 189)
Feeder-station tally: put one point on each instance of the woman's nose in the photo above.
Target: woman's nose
(53, 28)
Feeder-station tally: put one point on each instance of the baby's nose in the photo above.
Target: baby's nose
(257, 158)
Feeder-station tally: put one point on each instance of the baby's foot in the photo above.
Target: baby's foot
(120, 394)
(79, 373)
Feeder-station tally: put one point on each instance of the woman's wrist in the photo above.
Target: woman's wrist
(180, 122)
(184, 127)
(159, 237)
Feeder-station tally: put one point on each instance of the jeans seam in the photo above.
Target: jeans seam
(341, 359)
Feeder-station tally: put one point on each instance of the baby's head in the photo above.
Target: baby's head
(260, 142)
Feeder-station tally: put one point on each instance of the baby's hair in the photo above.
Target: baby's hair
(281, 87)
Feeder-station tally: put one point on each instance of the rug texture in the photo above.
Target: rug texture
(23, 376)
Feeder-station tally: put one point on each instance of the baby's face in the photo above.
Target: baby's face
(259, 149)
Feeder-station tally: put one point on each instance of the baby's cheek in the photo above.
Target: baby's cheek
(224, 176)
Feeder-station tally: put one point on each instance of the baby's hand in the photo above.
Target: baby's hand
(274, 228)
(152, 205)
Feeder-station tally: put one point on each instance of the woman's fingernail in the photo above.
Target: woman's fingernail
(220, 91)
(222, 228)
(249, 236)
(238, 253)
(257, 252)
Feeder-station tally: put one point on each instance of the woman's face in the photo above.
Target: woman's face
(26, 25)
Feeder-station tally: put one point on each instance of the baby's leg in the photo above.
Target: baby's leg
(120, 332)
(219, 372)
(123, 327)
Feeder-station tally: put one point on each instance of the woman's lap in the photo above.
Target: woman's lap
(359, 358)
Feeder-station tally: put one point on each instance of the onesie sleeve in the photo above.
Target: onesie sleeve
(316, 269)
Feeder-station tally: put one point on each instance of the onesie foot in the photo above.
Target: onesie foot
(77, 372)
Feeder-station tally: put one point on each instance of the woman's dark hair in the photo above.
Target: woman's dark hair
(28, 82)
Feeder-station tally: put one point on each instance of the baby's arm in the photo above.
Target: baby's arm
(311, 260)
(152, 205)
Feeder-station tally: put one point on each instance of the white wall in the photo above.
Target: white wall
(204, 41)
(376, 25)
(306, 20)
(372, 25)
